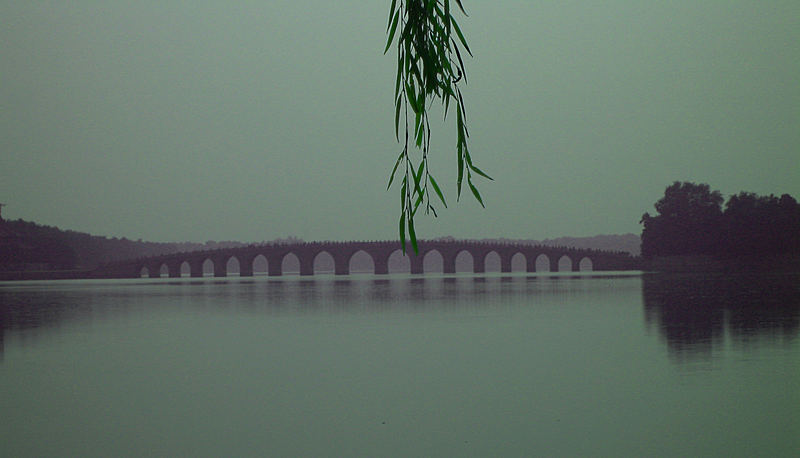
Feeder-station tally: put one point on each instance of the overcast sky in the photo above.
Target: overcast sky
(252, 120)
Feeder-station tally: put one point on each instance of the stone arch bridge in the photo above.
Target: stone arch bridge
(380, 253)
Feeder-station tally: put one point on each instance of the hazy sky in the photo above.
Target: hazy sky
(251, 120)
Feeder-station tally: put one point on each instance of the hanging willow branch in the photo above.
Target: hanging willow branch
(429, 66)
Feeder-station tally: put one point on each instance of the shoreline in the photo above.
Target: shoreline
(661, 264)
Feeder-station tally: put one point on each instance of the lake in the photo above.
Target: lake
(462, 365)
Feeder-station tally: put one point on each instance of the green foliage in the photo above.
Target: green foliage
(429, 66)
(756, 224)
(27, 246)
(24, 242)
(691, 221)
(688, 222)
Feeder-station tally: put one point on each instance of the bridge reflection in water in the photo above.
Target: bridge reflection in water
(384, 256)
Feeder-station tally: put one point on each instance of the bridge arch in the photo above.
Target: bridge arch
(184, 269)
(260, 264)
(361, 262)
(586, 264)
(433, 261)
(492, 262)
(397, 262)
(464, 261)
(324, 263)
(144, 272)
(542, 263)
(208, 267)
(519, 263)
(564, 264)
(163, 270)
(233, 266)
(290, 264)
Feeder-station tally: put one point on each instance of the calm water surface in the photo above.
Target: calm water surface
(436, 366)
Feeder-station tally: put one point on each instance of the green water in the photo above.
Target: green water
(400, 366)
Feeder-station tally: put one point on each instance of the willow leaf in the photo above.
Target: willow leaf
(392, 31)
(416, 205)
(397, 119)
(418, 179)
(462, 72)
(480, 172)
(475, 192)
(399, 74)
(403, 193)
(447, 16)
(460, 36)
(403, 230)
(411, 96)
(394, 170)
(412, 235)
(391, 13)
(437, 190)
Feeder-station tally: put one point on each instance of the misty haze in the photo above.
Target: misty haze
(200, 252)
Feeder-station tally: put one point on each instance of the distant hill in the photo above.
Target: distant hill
(25, 245)
(629, 243)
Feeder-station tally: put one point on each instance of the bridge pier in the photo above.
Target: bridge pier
(381, 264)
(220, 269)
(274, 261)
(196, 268)
(380, 261)
(341, 265)
(154, 271)
(449, 264)
(174, 269)
(246, 265)
(416, 264)
(306, 265)
(505, 263)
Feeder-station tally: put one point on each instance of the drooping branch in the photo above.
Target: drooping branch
(429, 66)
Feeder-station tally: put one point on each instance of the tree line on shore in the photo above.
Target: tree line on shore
(25, 245)
(691, 220)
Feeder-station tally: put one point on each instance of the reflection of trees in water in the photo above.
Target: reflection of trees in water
(38, 309)
(695, 313)
(29, 309)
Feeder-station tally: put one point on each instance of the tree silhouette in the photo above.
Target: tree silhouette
(688, 221)
(756, 224)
